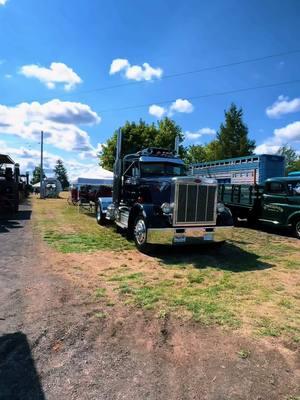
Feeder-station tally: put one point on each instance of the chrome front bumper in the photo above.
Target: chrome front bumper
(182, 236)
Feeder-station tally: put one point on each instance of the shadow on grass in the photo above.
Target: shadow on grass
(18, 376)
(225, 256)
(260, 227)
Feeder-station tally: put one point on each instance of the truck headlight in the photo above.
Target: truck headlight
(167, 208)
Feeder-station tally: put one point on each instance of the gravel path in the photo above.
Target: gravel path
(52, 345)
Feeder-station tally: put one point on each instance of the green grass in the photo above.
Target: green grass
(285, 303)
(100, 315)
(243, 354)
(128, 277)
(195, 277)
(267, 327)
(84, 242)
(253, 276)
(69, 231)
(293, 265)
(100, 292)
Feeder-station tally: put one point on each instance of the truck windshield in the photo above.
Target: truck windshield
(161, 169)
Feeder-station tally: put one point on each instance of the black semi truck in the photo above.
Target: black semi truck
(158, 203)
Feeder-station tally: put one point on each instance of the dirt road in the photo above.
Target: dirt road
(54, 344)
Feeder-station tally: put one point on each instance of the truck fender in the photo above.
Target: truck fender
(139, 209)
(295, 216)
(104, 202)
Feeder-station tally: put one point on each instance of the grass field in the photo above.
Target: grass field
(251, 283)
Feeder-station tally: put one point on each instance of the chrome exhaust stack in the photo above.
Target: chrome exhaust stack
(117, 183)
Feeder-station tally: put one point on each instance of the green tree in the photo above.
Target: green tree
(232, 136)
(36, 175)
(195, 154)
(137, 136)
(60, 173)
(212, 150)
(292, 160)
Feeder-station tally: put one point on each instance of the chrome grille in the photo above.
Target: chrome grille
(194, 204)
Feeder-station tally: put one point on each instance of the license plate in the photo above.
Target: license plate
(208, 236)
(179, 239)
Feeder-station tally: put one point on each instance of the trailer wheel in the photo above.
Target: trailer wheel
(140, 234)
(100, 217)
(296, 228)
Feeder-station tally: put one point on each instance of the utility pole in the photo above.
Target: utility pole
(41, 174)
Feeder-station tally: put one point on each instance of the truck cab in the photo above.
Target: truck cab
(275, 202)
(157, 202)
(280, 202)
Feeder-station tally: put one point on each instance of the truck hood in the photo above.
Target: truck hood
(158, 190)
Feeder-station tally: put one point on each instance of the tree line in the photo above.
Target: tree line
(232, 140)
(60, 173)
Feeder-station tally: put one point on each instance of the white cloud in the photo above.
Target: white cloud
(283, 106)
(29, 158)
(2, 2)
(198, 134)
(267, 148)
(58, 119)
(182, 106)
(157, 111)
(94, 153)
(117, 65)
(142, 72)
(56, 73)
(65, 112)
(179, 105)
(287, 135)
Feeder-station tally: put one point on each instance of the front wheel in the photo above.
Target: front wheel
(100, 217)
(296, 228)
(140, 234)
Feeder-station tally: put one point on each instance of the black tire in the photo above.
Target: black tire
(296, 228)
(100, 217)
(140, 234)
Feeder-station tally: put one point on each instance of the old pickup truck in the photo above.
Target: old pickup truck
(276, 202)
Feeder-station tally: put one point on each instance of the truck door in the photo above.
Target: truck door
(274, 199)
(131, 175)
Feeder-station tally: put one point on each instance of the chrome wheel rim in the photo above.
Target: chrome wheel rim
(140, 231)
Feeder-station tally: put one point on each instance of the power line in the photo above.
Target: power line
(204, 95)
(175, 75)
(196, 71)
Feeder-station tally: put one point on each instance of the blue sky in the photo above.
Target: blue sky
(56, 56)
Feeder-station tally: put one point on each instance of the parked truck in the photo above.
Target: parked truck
(156, 202)
(13, 186)
(276, 202)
